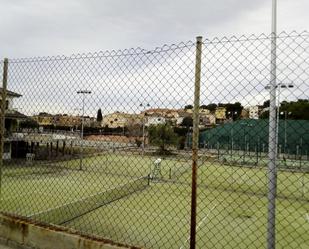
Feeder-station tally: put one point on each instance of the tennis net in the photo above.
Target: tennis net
(65, 213)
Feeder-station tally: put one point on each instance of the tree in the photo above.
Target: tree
(188, 107)
(264, 115)
(266, 103)
(187, 122)
(99, 115)
(135, 129)
(232, 110)
(162, 135)
(211, 107)
(296, 109)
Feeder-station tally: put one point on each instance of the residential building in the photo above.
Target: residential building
(64, 120)
(160, 116)
(69, 120)
(207, 120)
(120, 119)
(254, 111)
(44, 119)
(201, 111)
(12, 120)
(244, 113)
(220, 114)
(155, 119)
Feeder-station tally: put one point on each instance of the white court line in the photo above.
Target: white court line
(307, 217)
(199, 224)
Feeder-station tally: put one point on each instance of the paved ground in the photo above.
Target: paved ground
(5, 247)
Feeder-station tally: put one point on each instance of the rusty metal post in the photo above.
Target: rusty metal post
(195, 138)
(2, 118)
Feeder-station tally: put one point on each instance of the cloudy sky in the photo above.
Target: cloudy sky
(36, 27)
(231, 72)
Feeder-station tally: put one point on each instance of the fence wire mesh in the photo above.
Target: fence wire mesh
(101, 143)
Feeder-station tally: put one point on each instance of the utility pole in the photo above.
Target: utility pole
(197, 86)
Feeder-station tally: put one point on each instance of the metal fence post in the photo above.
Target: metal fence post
(2, 118)
(195, 138)
(272, 150)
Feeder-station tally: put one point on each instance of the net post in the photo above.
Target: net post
(198, 61)
(2, 118)
(148, 179)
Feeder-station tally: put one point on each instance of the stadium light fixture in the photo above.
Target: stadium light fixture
(279, 86)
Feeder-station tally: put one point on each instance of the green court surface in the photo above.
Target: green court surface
(160, 216)
(28, 195)
(232, 203)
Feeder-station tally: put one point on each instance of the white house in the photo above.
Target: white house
(155, 120)
(254, 112)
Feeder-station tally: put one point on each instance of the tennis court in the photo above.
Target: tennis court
(111, 197)
(163, 213)
(28, 189)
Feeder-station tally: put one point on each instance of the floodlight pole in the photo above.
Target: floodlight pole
(143, 144)
(279, 86)
(83, 92)
(232, 131)
(286, 113)
(272, 148)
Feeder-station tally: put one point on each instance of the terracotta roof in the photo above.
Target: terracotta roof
(10, 93)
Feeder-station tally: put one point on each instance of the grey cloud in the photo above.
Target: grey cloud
(61, 27)
(38, 28)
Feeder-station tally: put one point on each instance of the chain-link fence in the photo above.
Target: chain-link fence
(102, 143)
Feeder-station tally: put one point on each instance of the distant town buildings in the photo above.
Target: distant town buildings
(154, 116)
(62, 120)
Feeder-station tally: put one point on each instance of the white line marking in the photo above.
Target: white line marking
(307, 217)
(199, 224)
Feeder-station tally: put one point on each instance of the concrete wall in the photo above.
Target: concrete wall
(17, 232)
